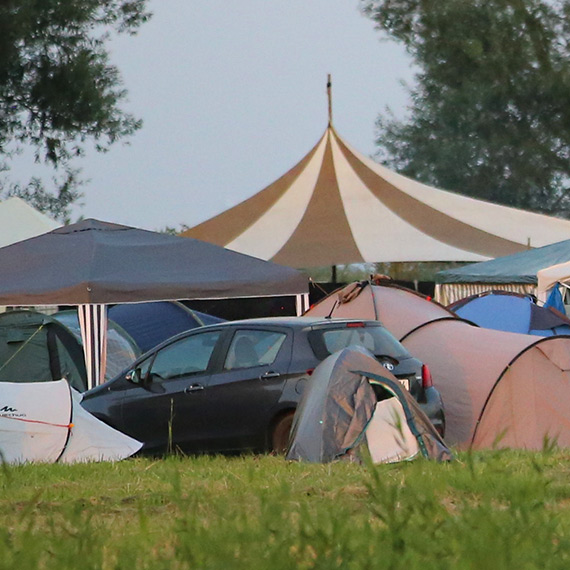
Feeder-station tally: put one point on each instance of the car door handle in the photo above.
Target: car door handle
(268, 375)
(193, 388)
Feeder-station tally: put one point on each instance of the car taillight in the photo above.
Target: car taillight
(309, 371)
(357, 325)
(427, 380)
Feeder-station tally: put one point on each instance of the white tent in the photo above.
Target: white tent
(44, 422)
(19, 221)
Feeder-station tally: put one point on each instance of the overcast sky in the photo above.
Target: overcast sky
(232, 95)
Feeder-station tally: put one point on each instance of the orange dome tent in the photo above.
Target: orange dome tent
(499, 389)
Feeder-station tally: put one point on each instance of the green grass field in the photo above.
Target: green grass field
(492, 510)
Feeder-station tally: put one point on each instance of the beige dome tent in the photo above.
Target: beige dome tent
(337, 206)
(499, 389)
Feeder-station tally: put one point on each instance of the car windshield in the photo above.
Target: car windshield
(376, 339)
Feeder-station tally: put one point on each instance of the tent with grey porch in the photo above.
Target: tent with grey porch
(516, 273)
(353, 407)
(45, 423)
(500, 389)
(93, 263)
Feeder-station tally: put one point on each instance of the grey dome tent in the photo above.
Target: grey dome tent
(354, 406)
(35, 347)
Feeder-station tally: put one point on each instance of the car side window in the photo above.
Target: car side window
(251, 348)
(185, 356)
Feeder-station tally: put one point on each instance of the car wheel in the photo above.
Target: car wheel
(280, 433)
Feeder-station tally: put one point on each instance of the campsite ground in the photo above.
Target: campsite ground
(487, 510)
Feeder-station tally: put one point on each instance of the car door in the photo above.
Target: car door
(175, 378)
(245, 387)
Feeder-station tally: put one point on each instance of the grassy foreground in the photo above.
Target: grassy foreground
(493, 510)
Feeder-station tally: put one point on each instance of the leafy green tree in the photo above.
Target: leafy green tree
(58, 90)
(490, 110)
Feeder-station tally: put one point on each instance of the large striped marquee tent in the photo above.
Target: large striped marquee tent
(337, 206)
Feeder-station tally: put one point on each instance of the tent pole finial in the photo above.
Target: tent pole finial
(329, 95)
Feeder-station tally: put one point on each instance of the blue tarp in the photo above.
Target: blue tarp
(511, 313)
(555, 300)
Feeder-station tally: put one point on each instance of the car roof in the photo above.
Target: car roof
(295, 321)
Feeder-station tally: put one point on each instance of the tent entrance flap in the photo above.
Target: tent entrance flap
(388, 434)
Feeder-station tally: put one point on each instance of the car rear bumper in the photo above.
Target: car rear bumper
(433, 408)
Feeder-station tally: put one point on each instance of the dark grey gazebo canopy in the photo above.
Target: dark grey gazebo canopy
(99, 262)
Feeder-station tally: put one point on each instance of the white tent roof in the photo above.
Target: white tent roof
(19, 221)
(549, 276)
(337, 206)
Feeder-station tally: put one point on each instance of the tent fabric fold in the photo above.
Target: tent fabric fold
(337, 206)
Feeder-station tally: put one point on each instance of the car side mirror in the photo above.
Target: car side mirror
(134, 376)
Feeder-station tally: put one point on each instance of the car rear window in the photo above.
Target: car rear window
(250, 348)
(376, 339)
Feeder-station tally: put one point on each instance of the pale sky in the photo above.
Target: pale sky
(232, 95)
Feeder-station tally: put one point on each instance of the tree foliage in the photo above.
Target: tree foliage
(58, 89)
(490, 111)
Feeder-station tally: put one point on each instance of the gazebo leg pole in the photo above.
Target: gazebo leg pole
(93, 323)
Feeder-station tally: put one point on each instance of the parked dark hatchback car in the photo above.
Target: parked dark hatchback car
(235, 385)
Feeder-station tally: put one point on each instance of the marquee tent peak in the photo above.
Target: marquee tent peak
(329, 97)
(337, 206)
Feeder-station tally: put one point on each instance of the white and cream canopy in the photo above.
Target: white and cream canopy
(337, 206)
